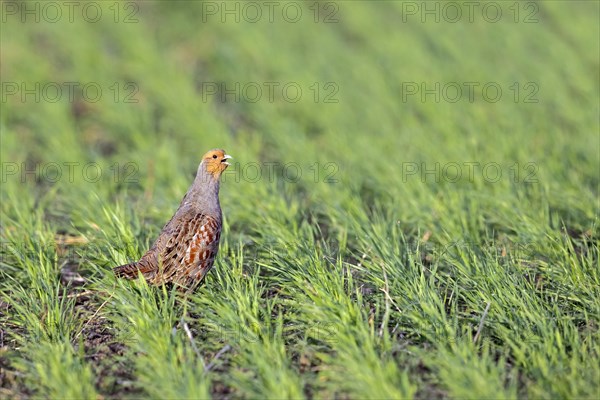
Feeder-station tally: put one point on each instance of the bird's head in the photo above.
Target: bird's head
(215, 162)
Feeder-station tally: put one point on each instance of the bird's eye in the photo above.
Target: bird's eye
(214, 156)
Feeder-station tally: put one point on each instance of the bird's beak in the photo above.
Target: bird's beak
(225, 158)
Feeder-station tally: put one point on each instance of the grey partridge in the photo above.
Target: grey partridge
(187, 245)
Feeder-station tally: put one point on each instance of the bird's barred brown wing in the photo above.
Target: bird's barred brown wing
(188, 254)
(200, 252)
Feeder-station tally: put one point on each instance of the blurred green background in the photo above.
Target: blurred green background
(367, 130)
(144, 102)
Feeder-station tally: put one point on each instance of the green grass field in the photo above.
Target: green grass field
(412, 211)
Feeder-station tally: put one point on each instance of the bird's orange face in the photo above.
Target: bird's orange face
(216, 162)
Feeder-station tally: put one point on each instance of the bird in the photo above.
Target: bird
(186, 248)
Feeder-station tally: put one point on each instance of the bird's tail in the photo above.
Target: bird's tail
(127, 271)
